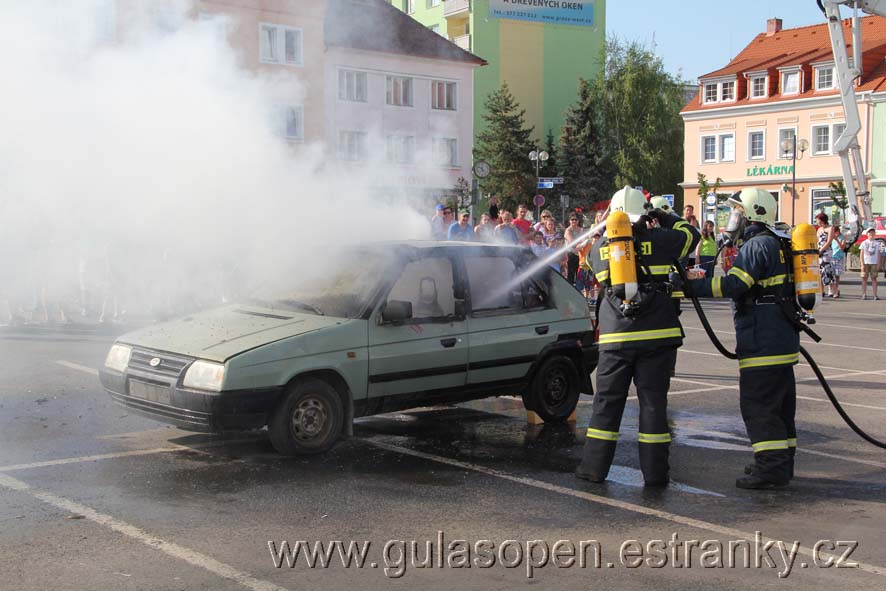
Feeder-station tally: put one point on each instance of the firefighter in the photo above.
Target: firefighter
(768, 342)
(677, 294)
(638, 339)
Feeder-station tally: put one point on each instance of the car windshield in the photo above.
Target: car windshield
(341, 287)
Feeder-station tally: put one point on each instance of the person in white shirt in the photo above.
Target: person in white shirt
(870, 263)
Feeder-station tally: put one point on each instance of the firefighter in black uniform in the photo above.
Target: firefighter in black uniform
(767, 340)
(637, 344)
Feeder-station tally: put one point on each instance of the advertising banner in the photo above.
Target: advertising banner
(578, 13)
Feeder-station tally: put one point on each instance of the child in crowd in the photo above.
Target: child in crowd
(537, 244)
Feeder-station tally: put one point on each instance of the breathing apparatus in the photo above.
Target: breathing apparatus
(801, 257)
(622, 260)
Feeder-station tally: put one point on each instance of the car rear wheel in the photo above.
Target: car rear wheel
(555, 389)
(308, 420)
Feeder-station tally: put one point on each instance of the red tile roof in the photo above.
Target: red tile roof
(802, 47)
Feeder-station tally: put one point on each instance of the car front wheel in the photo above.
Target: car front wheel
(555, 389)
(308, 420)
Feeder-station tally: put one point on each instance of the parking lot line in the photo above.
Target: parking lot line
(93, 458)
(601, 500)
(843, 403)
(192, 557)
(78, 367)
(821, 344)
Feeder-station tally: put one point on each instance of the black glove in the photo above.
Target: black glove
(657, 214)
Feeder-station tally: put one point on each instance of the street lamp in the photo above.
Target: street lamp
(790, 146)
(538, 158)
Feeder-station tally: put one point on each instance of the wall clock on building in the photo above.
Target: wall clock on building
(482, 169)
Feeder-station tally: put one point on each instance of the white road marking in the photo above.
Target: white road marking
(821, 344)
(601, 500)
(78, 367)
(842, 403)
(850, 327)
(192, 557)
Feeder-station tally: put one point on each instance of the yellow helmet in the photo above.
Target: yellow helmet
(758, 205)
(630, 201)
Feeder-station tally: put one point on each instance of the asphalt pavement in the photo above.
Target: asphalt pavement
(469, 496)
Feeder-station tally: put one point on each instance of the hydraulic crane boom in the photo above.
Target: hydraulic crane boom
(858, 196)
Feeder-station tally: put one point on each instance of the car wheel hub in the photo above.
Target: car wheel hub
(309, 419)
(556, 387)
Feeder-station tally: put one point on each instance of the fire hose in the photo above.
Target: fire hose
(731, 355)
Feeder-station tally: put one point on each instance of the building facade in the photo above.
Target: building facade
(781, 88)
(372, 86)
(540, 52)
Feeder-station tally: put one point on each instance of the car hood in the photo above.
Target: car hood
(220, 334)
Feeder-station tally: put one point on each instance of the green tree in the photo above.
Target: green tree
(638, 108)
(505, 144)
(587, 171)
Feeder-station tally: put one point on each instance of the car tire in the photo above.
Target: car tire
(555, 389)
(308, 420)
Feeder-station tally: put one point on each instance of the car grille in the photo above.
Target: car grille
(169, 366)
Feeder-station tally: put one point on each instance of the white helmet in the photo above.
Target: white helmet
(630, 201)
(661, 203)
(758, 205)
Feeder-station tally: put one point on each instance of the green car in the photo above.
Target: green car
(385, 327)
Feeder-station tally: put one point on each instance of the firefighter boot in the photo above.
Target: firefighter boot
(654, 463)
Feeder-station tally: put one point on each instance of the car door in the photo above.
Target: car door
(429, 349)
(510, 319)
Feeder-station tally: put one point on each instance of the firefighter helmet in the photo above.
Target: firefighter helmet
(661, 203)
(630, 201)
(758, 205)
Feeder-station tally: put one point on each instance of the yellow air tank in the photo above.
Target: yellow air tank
(807, 278)
(622, 258)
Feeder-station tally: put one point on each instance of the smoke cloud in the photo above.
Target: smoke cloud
(153, 165)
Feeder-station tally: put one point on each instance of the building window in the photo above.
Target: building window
(290, 121)
(410, 6)
(788, 134)
(435, 29)
(728, 91)
(352, 146)
(824, 78)
(758, 87)
(401, 149)
(167, 19)
(433, 3)
(709, 149)
(445, 151)
(710, 93)
(443, 95)
(727, 148)
(836, 132)
(790, 83)
(821, 203)
(399, 91)
(757, 145)
(280, 45)
(352, 86)
(216, 23)
(821, 140)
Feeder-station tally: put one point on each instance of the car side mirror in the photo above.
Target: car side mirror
(396, 311)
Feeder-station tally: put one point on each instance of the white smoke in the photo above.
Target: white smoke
(155, 157)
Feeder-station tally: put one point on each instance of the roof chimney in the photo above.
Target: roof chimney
(773, 26)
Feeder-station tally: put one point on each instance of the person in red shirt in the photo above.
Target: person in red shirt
(522, 225)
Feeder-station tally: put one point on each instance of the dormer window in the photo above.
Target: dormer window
(719, 92)
(790, 82)
(824, 78)
(759, 87)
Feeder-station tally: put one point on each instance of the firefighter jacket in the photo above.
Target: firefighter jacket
(762, 293)
(654, 322)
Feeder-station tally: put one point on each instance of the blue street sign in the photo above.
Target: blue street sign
(670, 199)
(545, 185)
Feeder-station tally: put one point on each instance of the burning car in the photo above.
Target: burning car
(388, 327)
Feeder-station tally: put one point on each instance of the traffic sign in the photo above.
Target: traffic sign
(564, 200)
(670, 199)
(539, 200)
(557, 180)
(712, 199)
(545, 185)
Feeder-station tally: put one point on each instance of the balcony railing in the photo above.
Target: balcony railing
(453, 7)
(463, 41)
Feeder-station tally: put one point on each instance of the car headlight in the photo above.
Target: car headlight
(118, 358)
(204, 375)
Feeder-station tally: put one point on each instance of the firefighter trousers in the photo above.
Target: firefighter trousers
(768, 400)
(649, 369)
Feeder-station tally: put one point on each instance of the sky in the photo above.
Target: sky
(695, 37)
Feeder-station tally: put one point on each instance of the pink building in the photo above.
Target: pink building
(781, 87)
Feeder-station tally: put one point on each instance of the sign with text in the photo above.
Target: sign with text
(670, 199)
(542, 184)
(557, 180)
(579, 13)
